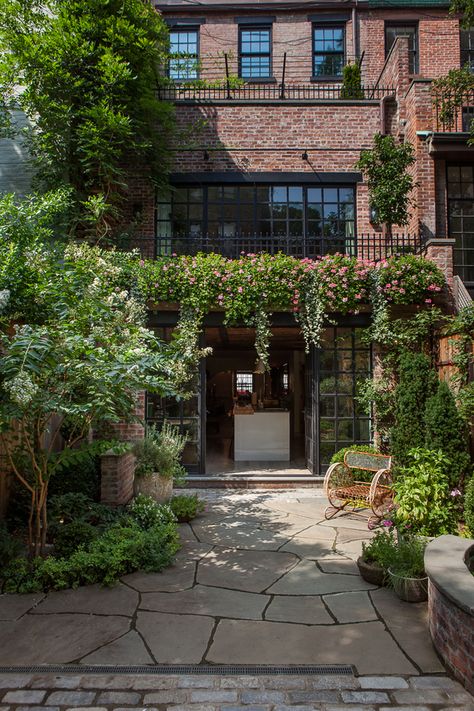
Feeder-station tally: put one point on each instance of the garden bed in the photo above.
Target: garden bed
(449, 562)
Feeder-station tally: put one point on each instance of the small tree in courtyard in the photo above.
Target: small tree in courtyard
(87, 72)
(385, 168)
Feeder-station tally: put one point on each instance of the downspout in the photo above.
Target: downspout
(355, 34)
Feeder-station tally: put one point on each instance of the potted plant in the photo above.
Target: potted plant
(158, 462)
(375, 556)
(406, 570)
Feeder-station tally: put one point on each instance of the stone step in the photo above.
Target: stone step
(238, 481)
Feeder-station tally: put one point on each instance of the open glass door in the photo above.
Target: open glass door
(311, 411)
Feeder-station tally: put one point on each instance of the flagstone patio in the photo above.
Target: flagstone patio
(262, 578)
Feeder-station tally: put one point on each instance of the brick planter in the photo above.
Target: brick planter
(451, 604)
(117, 474)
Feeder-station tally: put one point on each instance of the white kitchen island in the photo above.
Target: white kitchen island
(263, 436)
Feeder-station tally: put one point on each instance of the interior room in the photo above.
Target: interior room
(255, 418)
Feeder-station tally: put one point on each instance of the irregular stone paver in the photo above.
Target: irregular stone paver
(312, 549)
(214, 602)
(177, 577)
(237, 560)
(175, 639)
(239, 534)
(343, 565)
(251, 571)
(92, 599)
(307, 579)
(298, 692)
(46, 639)
(307, 610)
(14, 606)
(408, 624)
(351, 607)
(121, 651)
(243, 642)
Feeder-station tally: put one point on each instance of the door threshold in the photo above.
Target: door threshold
(239, 481)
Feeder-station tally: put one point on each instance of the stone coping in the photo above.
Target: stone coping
(446, 561)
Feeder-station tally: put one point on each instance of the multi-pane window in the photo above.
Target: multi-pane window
(255, 52)
(467, 48)
(292, 211)
(328, 50)
(243, 382)
(184, 54)
(345, 363)
(461, 220)
(404, 30)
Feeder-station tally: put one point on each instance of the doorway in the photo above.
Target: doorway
(255, 423)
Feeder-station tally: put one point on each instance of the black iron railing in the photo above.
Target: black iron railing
(454, 110)
(279, 92)
(374, 247)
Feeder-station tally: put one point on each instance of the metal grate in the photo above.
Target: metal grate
(218, 670)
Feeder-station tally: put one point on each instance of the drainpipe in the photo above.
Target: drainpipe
(355, 34)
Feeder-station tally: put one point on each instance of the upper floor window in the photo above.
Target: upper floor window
(404, 30)
(184, 54)
(467, 48)
(328, 50)
(255, 52)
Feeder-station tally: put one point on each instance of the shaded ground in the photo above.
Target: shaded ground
(262, 578)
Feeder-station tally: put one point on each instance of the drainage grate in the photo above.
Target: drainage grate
(218, 670)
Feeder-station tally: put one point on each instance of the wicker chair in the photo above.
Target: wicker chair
(345, 493)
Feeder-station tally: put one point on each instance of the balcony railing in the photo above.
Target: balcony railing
(374, 247)
(454, 111)
(274, 92)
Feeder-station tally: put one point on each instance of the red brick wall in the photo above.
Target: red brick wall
(452, 633)
(117, 474)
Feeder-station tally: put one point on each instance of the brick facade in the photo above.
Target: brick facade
(451, 630)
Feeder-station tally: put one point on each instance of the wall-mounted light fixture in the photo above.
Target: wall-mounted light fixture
(373, 215)
(305, 156)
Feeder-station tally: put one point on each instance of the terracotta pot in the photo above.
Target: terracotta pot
(409, 589)
(160, 488)
(371, 572)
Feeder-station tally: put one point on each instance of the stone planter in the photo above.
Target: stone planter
(160, 488)
(409, 589)
(371, 572)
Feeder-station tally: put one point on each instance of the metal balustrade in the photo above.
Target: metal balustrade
(373, 247)
(453, 110)
(273, 92)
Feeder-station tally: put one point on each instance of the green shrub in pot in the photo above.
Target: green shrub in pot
(406, 569)
(158, 462)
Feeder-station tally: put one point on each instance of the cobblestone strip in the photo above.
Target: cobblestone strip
(50, 692)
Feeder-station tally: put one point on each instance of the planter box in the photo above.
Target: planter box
(409, 589)
(371, 572)
(160, 488)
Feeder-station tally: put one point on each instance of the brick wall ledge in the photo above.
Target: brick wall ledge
(448, 562)
(276, 102)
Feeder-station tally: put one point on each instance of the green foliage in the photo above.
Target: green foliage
(385, 168)
(186, 507)
(160, 452)
(408, 558)
(82, 478)
(147, 513)
(74, 535)
(352, 82)
(469, 505)
(10, 547)
(446, 431)
(417, 382)
(359, 474)
(123, 548)
(423, 500)
(88, 72)
(449, 94)
(72, 507)
(380, 549)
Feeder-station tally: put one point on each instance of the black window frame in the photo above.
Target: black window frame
(466, 54)
(414, 63)
(462, 250)
(246, 373)
(314, 53)
(186, 28)
(246, 27)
